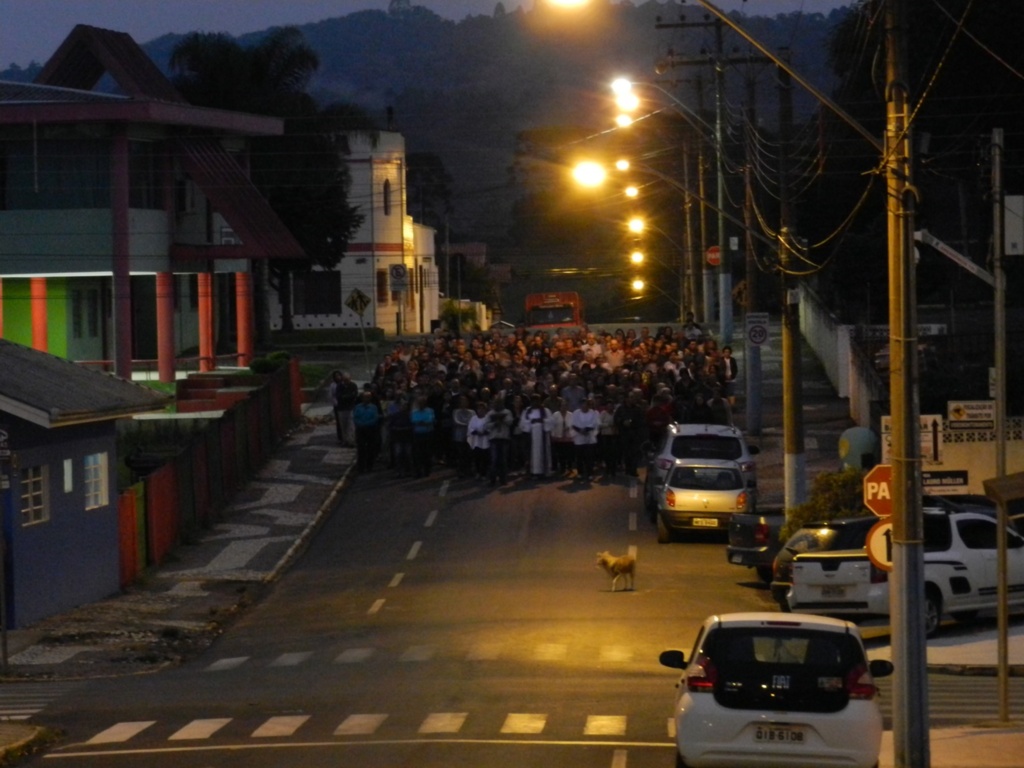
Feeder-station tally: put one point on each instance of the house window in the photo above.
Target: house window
(35, 506)
(96, 491)
(382, 287)
(387, 197)
(144, 178)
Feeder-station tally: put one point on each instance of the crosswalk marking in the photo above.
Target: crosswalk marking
(285, 725)
(228, 663)
(418, 653)
(116, 734)
(359, 725)
(524, 723)
(605, 725)
(443, 722)
(21, 701)
(353, 655)
(200, 729)
(291, 659)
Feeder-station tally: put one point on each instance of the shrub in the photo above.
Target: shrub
(833, 494)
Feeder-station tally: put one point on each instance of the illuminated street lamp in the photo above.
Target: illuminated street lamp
(637, 257)
(589, 174)
(636, 225)
(638, 284)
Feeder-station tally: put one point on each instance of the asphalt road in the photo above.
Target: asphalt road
(434, 622)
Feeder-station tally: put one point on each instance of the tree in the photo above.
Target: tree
(301, 173)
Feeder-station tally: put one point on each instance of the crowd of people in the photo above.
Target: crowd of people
(569, 403)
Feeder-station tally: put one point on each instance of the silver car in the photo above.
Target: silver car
(701, 495)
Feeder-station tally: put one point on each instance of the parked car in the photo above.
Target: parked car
(754, 540)
(822, 536)
(696, 441)
(960, 575)
(701, 494)
(762, 689)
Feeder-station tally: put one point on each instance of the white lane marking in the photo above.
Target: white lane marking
(616, 653)
(672, 728)
(632, 550)
(414, 550)
(359, 725)
(120, 732)
(283, 725)
(605, 725)
(444, 488)
(200, 729)
(377, 605)
(430, 518)
(418, 653)
(524, 723)
(291, 659)
(619, 758)
(443, 722)
(232, 662)
(633, 486)
(484, 652)
(632, 521)
(353, 655)
(550, 652)
(396, 579)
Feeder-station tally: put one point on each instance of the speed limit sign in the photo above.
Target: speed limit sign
(757, 328)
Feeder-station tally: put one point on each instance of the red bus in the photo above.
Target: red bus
(554, 310)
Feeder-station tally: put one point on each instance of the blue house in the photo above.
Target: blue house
(58, 475)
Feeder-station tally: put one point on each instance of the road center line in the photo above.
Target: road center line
(414, 550)
(632, 521)
(619, 758)
(430, 518)
(396, 579)
(444, 489)
(377, 605)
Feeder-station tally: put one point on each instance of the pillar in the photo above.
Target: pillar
(165, 326)
(37, 287)
(244, 317)
(207, 359)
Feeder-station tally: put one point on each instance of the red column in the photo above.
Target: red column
(1, 307)
(206, 349)
(37, 287)
(165, 326)
(244, 317)
(121, 254)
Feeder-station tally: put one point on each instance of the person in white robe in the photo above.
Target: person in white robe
(536, 421)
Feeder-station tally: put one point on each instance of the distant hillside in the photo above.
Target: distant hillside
(464, 89)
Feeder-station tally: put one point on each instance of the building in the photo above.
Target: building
(388, 278)
(128, 224)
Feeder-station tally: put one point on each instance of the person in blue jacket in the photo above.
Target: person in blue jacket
(366, 418)
(423, 419)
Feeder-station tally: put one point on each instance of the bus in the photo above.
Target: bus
(554, 310)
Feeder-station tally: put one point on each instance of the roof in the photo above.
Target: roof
(32, 93)
(52, 392)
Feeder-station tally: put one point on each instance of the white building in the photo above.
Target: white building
(388, 278)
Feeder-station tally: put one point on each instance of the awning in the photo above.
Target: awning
(234, 197)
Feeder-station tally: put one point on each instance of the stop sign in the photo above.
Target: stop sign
(878, 490)
(713, 255)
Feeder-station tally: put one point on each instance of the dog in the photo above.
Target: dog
(623, 567)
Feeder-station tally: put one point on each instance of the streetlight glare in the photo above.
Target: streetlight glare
(637, 257)
(623, 121)
(621, 85)
(636, 225)
(638, 284)
(589, 173)
(569, 3)
(627, 102)
(632, 191)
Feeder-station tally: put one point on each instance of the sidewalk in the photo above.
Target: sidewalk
(185, 604)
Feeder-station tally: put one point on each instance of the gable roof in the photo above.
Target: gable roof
(52, 392)
(88, 53)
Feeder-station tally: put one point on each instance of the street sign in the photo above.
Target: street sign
(757, 328)
(357, 301)
(399, 277)
(879, 544)
(878, 489)
(713, 255)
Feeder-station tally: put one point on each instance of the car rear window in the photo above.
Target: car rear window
(706, 479)
(706, 447)
(781, 668)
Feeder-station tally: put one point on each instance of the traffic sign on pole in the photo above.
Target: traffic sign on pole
(713, 255)
(878, 544)
(878, 490)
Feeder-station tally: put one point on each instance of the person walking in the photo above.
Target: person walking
(499, 435)
(585, 424)
(461, 417)
(366, 421)
(536, 423)
(344, 397)
(423, 420)
(479, 442)
(400, 431)
(563, 451)
(608, 444)
(630, 419)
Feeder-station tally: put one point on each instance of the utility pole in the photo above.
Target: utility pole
(691, 258)
(752, 361)
(795, 458)
(910, 689)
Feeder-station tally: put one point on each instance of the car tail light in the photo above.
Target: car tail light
(741, 501)
(878, 576)
(703, 676)
(860, 684)
(670, 498)
(762, 533)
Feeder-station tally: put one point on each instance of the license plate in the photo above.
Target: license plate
(736, 559)
(778, 734)
(706, 522)
(832, 590)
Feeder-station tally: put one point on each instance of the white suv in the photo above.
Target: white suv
(696, 441)
(959, 572)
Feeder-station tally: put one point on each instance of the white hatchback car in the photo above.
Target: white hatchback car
(770, 689)
(701, 494)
